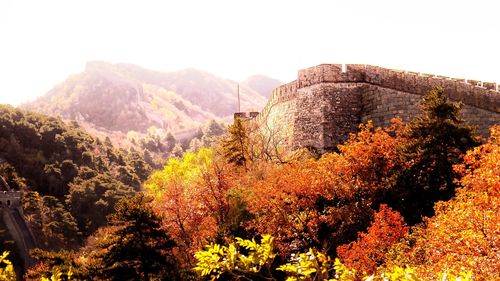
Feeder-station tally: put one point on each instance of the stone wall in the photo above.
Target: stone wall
(325, 114)
(328, 101)
(10, 199)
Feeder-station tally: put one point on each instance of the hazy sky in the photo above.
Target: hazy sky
(42, 42)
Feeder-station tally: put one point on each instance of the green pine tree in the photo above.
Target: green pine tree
(138, 249)
(437, 140)
(235, 144)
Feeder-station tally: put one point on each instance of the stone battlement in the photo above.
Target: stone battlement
(480, 94)
(245, 115)
(335, 98)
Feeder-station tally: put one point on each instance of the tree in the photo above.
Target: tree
(193, 196)
(139, 248)
(11, 177)
(369, 250)
(235, 145)
(52, 264)
(169, 142)
(59, 227)
(177, 151)
(211, 131)
(324, 203)
(194, 144)
(91, 200)
(464, 231)
(53, 226)
(436, 141)
(251, 260)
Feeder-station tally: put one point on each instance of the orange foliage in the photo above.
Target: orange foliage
(465, 231)
(324, 203)
(368, 251)
(193, 212)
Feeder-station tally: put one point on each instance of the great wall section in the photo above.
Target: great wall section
(329, 101)
(12, 216)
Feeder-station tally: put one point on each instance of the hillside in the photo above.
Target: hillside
(118, 98)
(65, 174)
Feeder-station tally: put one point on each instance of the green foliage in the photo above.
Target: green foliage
(91, 200)
(211, 133)
(6, 269)
(436, 141)
(138, 248)
(53, 226)
(9, 174)
(45, 155)
(177, 151)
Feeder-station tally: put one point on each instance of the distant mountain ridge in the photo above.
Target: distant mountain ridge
(125, 97)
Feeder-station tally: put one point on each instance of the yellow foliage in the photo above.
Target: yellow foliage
(183, 170)
(6, 269)
(310, 266)
(217, 260)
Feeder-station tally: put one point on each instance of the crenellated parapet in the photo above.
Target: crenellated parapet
(476, 93)
(281, 94)
(485, 95)
(328, 101)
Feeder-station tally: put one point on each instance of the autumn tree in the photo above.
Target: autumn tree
(436, 141)
(369, 250)
(193, 196)
(464, 231)
(324, 203)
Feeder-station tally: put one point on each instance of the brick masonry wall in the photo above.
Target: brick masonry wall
(327, 102)
(381, 105)
(326, 113)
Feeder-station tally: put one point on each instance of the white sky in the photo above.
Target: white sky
(42, 42)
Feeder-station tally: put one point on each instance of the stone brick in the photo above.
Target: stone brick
(324, 104)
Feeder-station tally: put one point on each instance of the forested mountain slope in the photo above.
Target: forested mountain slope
(66, 175)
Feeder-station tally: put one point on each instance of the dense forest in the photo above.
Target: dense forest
(64, 173)
(415, 201)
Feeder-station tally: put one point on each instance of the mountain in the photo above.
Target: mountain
(117, 98)
(262, 84)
